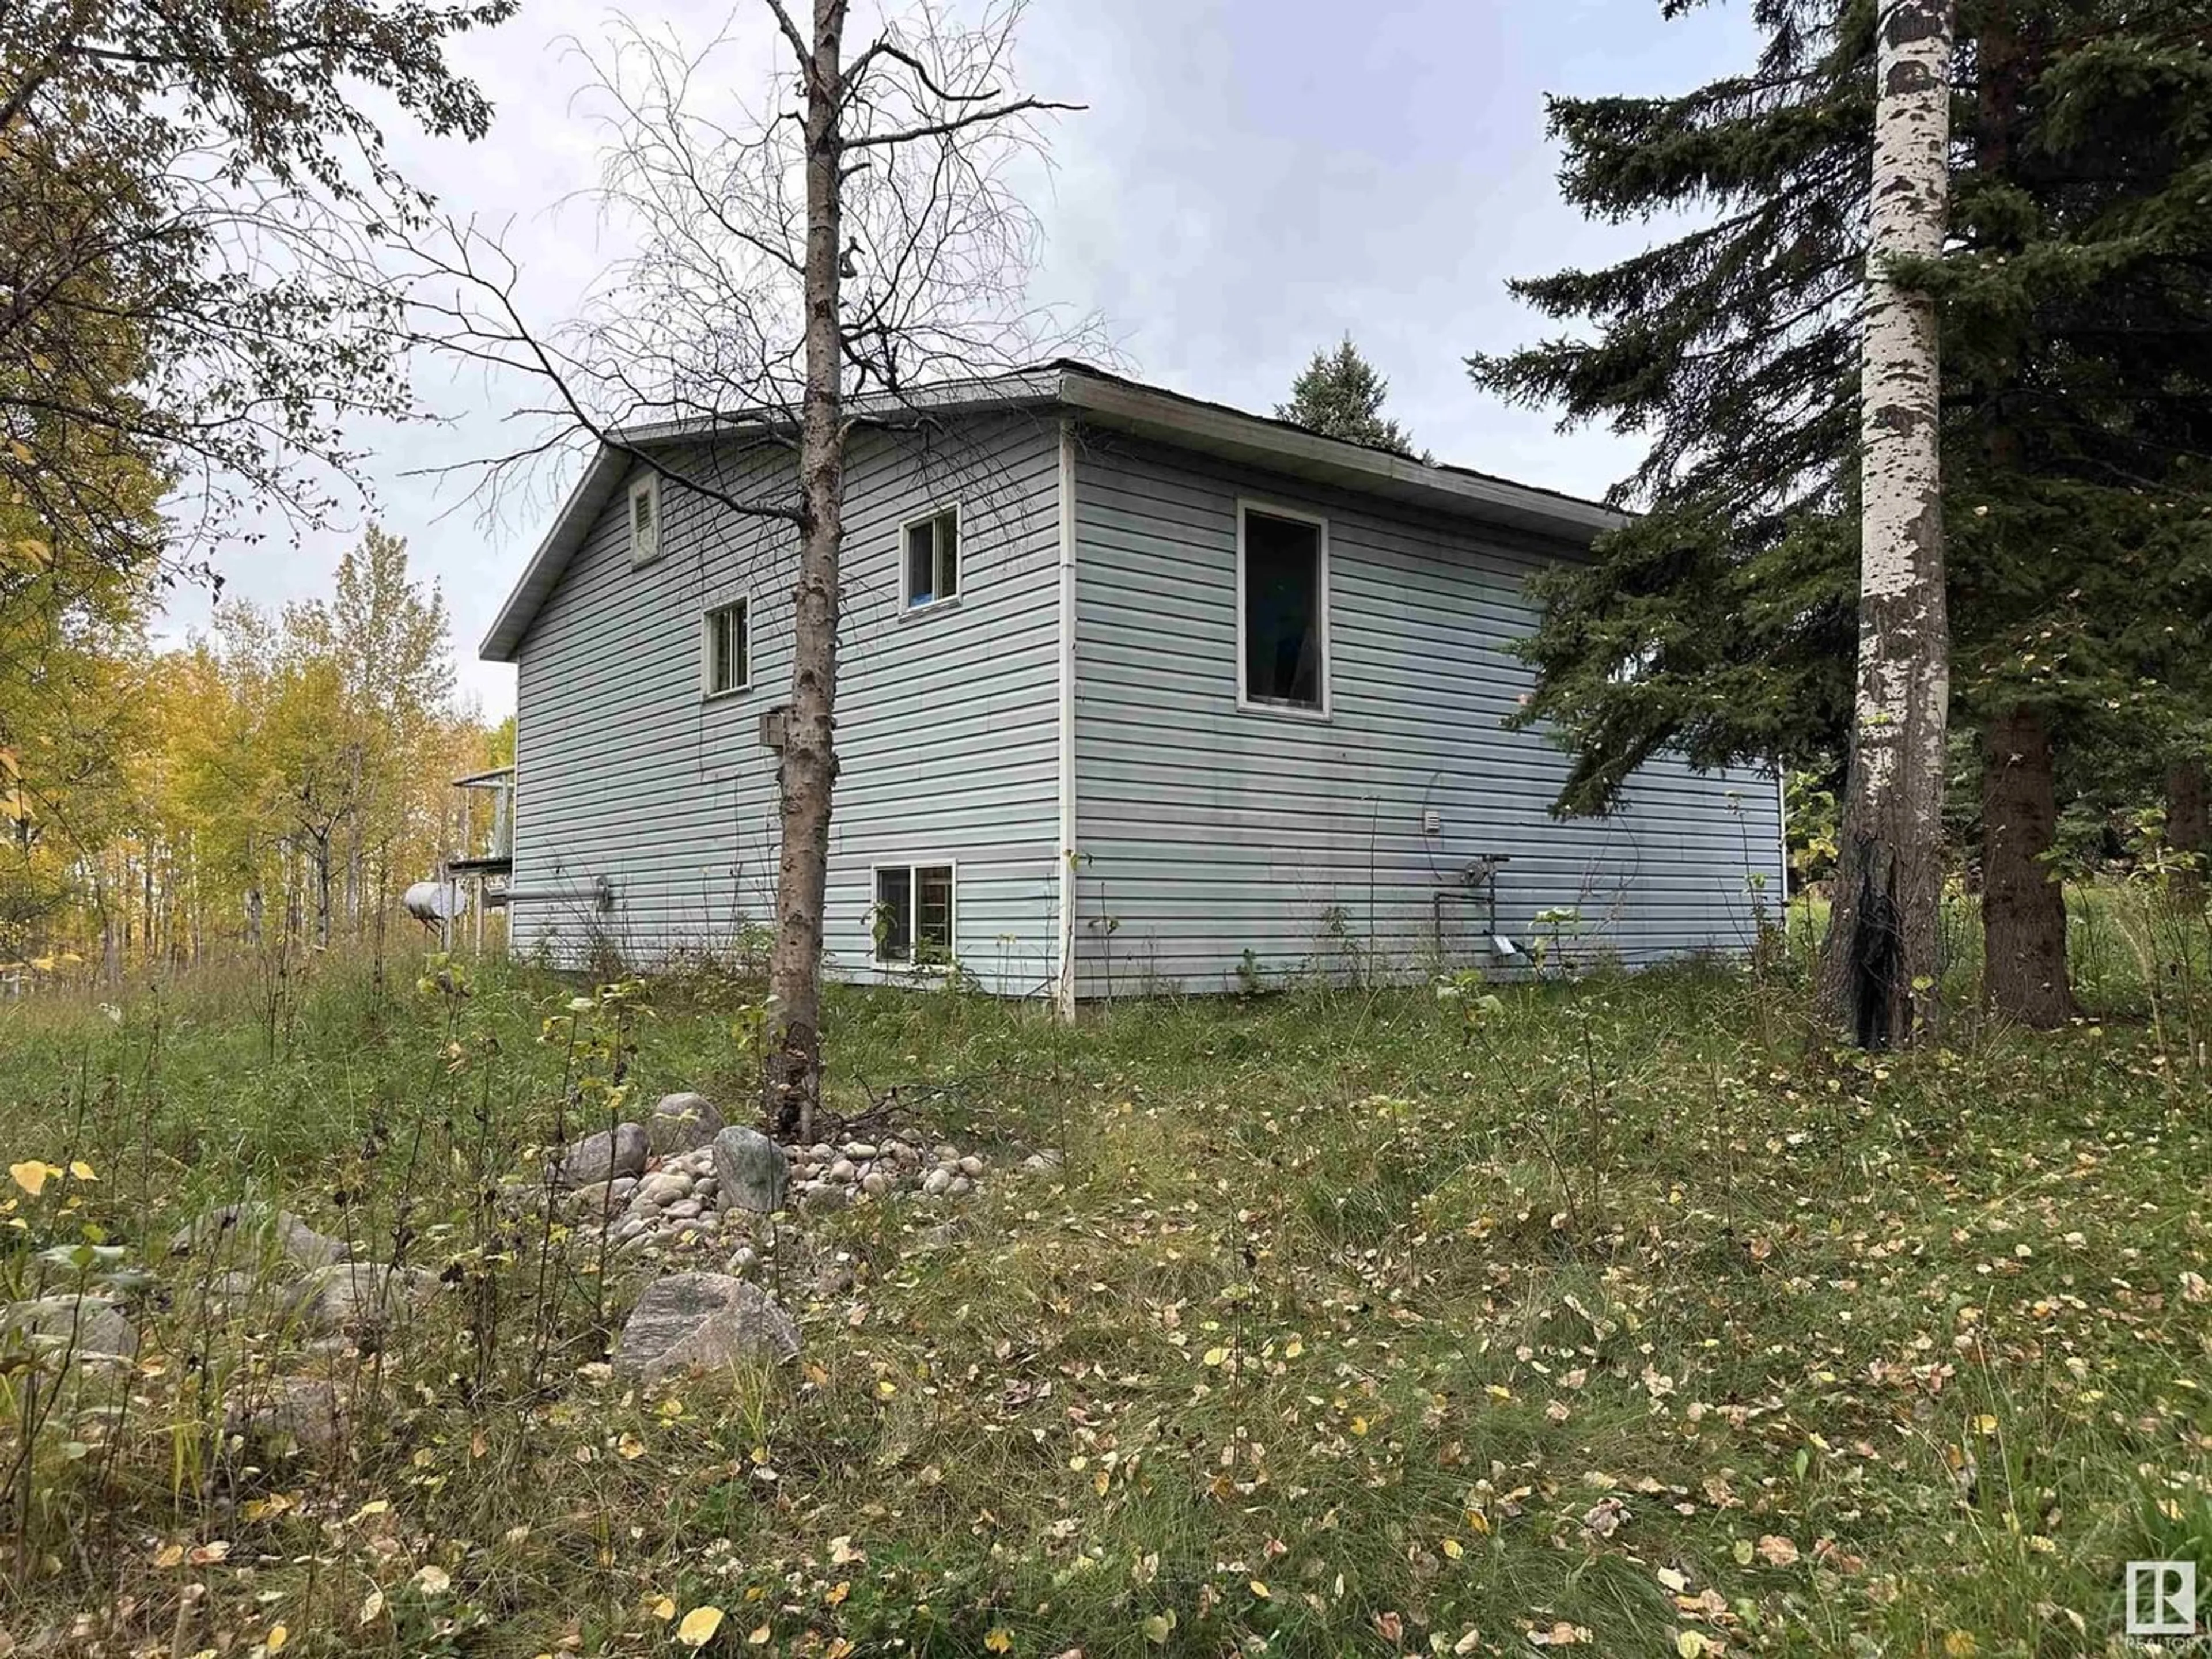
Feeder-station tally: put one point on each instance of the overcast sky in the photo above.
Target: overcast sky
(1253, 179)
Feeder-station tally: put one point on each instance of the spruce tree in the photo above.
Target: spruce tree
(1339, 395)
(2075, 296)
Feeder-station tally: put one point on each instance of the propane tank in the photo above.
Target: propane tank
(435, 900)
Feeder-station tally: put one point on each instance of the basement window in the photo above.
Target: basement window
(645, 519)
(913, 915)
(726, 648)
(931, 558)
(1282, 596)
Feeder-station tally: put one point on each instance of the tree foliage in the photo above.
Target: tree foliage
(276, 783)
(190, 201)
(2076, 325)
(1339, 395)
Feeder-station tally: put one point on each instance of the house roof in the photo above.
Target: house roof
(1102, 399)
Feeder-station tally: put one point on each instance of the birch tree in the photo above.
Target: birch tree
(1881, 972)
(798, 270)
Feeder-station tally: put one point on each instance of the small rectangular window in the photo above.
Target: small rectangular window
(728, 646)
(645, 520)
(1283, 586)
(913, 917)
(931, 558)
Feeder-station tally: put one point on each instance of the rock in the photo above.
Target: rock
(844, 1169)
(859, 1149)
(961, 1186)
(86, 1327)
(362, 1298)
(937, 1184)
(1042, 1162)
(665, 1188)
(255, 1225)
(681, 1123)
(606, 1156)
(824, 1199)
(235, 1292)
(875, 1183)
(683, 1210)
(296, 1414)
(971, 1165)
(702, 1322)
(603, 1197)
(752, 1169)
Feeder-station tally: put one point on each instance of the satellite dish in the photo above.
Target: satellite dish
(435, 900)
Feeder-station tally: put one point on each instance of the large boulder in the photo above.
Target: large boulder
(750, 1171)
(255, 1229)
(363, 1300)
(607, 1156)
(682, 1123)
(704, 1322)
(85, 1327)
(290, 1414)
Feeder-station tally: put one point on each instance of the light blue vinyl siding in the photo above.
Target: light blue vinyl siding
(947, 719)
(1206, 829)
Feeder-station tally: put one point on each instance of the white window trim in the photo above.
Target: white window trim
(907, 964)
(706, 692)
(648, 485)
(959, 512)
(1247, 505)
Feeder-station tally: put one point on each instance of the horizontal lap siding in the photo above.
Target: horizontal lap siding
(946, 721)
(1205, 829)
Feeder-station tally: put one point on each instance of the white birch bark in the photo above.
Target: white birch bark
(1880, 977)
(809, 770)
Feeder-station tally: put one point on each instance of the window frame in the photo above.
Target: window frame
(958, 512)
(1247, 703)
(649, 486)
(707, 693)
(914, 867)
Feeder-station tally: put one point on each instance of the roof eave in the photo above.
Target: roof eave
(503, 643)
(1278, 447)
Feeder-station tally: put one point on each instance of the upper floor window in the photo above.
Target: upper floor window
(1282, 597)
(728, 648)
(931, 558)
(645, 519)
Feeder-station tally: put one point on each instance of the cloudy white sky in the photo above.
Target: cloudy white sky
(1252, 178)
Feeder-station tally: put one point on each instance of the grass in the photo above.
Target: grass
(1610, 1316)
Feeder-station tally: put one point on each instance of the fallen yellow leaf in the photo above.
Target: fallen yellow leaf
(30, 1175)
(699, 1627)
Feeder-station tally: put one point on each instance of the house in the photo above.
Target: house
(1136, 692)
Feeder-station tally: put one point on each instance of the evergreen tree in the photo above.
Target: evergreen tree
(2076, 305)
(1339, 395)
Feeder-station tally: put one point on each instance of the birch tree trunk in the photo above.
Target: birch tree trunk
(809, 770)
(1881, 972)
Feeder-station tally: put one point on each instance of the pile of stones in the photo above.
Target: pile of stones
(685, 1182)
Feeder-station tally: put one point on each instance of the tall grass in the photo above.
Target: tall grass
(1348, 1321)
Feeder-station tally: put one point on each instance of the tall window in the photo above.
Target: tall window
(728, 647)
(645, 519)
(1282, 580)
(932, 558)
(912, 920)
